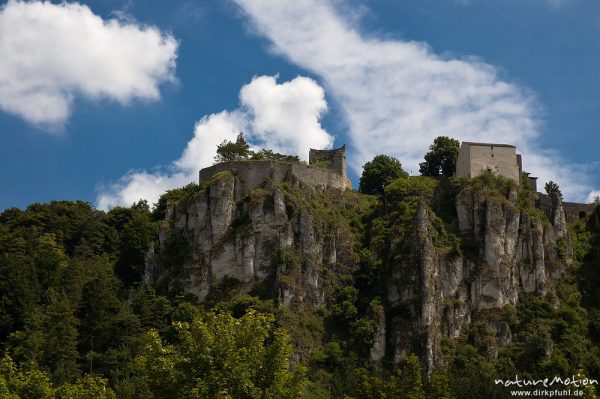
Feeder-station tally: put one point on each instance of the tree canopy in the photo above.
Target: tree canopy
(378, 173)
(441, 158)
(552, 189)
(76, 322)
(233, 150)
(239, 150)
(219, 356)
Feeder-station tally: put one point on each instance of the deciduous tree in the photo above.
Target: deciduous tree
(378, 173)
(441, 158)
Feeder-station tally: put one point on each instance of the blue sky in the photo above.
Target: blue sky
(111, 101)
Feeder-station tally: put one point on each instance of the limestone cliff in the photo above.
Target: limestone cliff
(292, 242)
(441, 291)
(245, 235)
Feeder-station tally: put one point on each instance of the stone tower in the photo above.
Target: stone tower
(502, 159)
(334, 160)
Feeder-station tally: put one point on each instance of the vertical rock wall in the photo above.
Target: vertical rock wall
(235, 233)
(436, 293)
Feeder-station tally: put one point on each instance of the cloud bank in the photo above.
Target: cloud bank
(52, 52)
(399, 95)
(284, 117)
(593, 196)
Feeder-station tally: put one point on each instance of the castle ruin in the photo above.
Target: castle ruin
(334, 160)
(501, 159)
(326, 169)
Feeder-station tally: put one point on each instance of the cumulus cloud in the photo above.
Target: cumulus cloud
(137, 185)
(280, 116)
(399, 95)
(53, 52)
(593, 196)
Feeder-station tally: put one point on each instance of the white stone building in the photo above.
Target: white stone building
(501, 159)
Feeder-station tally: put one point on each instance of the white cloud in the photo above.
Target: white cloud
(52, 52)
(399, 95)
(593, 195)
(141, 185)
(285, 117)
(271, 115)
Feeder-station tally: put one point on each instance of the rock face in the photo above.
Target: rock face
(437, 291)
(282, 236)
(248, 234)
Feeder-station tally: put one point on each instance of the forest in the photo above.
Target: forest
(77, 320)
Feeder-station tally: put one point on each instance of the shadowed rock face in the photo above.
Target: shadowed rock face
(236, 233)
(270, 232)
(444, 291)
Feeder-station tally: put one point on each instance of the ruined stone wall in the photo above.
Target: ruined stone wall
(252, 174)
(334, 160)
(573, 210)
(238, 221)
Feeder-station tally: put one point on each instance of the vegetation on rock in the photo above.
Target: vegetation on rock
(378, 173)
(239, 150)
(76, 321)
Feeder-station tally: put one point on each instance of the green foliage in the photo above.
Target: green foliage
(177, 251)
(18, 383)
(411, 188)
(472, 376)
(441, 158)
(374, 386)
(488, 183)
(87, 387)
(410, 380)
(136, 232)
(60, 339)
(219, 356)
(171, 196)
(240, 151)
(233, 151)
(70, 304)
(266, 154)
(223, 290)
(526, 181)
(288, 263)
(305, 326)
(442, 238)
(581, 240)
(552, 189)
(378, 173)
(345, 309)
(561, 248)
(19, 291)
(439, 384)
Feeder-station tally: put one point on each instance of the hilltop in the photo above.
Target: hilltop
(279, 287)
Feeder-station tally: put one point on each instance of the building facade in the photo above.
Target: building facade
(501, 159)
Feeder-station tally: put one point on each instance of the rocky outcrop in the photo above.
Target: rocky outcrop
(435, 292)
(247, 234)
(283, 236)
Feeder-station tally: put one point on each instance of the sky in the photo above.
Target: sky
(115, 101)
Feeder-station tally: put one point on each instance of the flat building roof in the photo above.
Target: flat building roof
(488, 144)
